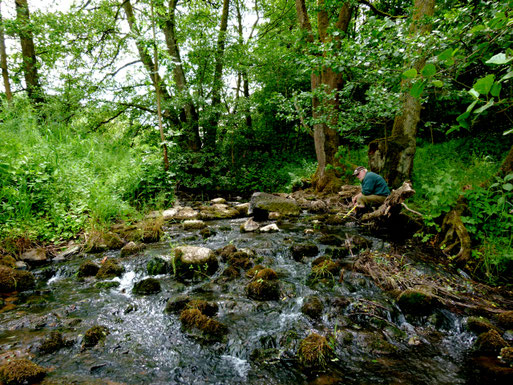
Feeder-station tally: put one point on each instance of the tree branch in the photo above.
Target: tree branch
(379, 12)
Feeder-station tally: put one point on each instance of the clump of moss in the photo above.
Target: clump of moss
(415, 301)
(98, 241)
(107, 284)
(52, 343)
(88, 269)
(506, 355)
(254, 271)
(157, 265)
(230, 273)
(7, 260)
(304, 250)
(208, 308)
(147, 231)
(21, 371)
(15, 280)
(147, 286)
(264, 286)
(479, 325)
(177, 304)
(226, 252)
(195, 319)
(240, 259)
(506, 319)
(490, 342)
(94, 335)
(314, 351)
(110, 268)
(312, 307)
(324, 267)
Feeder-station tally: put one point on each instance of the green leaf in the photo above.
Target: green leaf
(471, 106)
(508, 177)
(445, 55)
(500, 58)
(437, 83)
(496, 89)
(462, 120)
(485, 107)
(428, 70)
(410, 74)
(507, 132)
(484, 85)
(417, 88)
(477, 28)
(507, 76)
(507, 186)
(453, 128)
(474, 93)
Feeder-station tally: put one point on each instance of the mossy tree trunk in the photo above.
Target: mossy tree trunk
(392, 157)
(3, 61)
(507, 164)
(324, 84)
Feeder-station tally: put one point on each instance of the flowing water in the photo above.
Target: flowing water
(148, 346)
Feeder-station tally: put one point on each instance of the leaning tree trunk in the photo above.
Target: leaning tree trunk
(392, 157)
(34, 89)
(324, 84)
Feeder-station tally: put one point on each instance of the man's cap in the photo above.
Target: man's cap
(358, 169)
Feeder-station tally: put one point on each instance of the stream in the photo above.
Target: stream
(372, 340)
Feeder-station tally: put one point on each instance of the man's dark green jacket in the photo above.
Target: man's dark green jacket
(374, 184)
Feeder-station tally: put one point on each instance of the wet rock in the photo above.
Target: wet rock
(88, 269)
(52, 343)
(207, 232)
(240, 260)
(226, 252)
(94, 336)
(359, 243)
(210, 328)
(254, 271)
(230, 273)
(177, 304)
(272, 228)
(506, 356)
(324, 268)
(208, 308)
(193, 224)
(15, 280)
(274, 216)
(264, 286)
(249, 226)
(318, 206)
(265, 356)
(312, 307)
(489, 370)
(21, 371)
(180, 214)
(107, 285)
(218, 211)
(261, 204)
(304, 250)
(131, 248)
(35, 257)
(314, 351)
(505, 319)
(147, 286)
(489, 342)
(337, 252)
(157, 265)
(68, 253)
(416, 301)
(194, 261)
(340, 303)
(332, 239)
(218, 201)
(7, 260)
(242, 209)
(109, 269)
(479, 325)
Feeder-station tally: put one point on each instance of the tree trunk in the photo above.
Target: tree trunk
(190, 126)
(507, 164)
(34, 89)
(213, 122)
(243, 74)
(324, 84)
(393, 157)
(3, 62)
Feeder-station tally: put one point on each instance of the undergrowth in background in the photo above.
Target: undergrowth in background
(465, 167)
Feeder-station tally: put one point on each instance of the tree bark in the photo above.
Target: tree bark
(34, 89)
(393, 157)
(507, 164)
(190, 125)
(323, 85)
(211, 127)
(3, 62)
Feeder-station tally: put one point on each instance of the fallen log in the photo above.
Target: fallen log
(392, 205)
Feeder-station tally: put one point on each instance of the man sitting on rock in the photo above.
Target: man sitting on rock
(374, 189)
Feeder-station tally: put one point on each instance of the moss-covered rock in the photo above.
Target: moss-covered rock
(505, 319)
(211, 329)
(177, 304)
(240, 260)
(52, 343)
(98, 241)
(254, 270)
(303, 250)
(314, 351)
(489, 342)
(230, 273)
(324, 267)
(416, 301)
(312, 307)
(7, 260)
(207, 232)
(88, 269)
(193, 224)
(478, 325)
(157, 265)
(146, 231)
(146, 286)
(15, 280)
(265, 356)
(20, 371)
(261, 204)
(194, 261)
(107, 284)
(218, 211)
(94, 336)
(208, 308)
(332, 240)
(109, 269)
(131, 248)
(264, 286)
(506, 355)
(226, 252)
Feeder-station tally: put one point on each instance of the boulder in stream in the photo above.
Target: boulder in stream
(211, 329)
(304, 250)
(249, 226)
(146, 286)
(193, 224)
(109, 269)
(94, 336)
(157, 265)
(489, 343)
(314, 351)
(131, 248)
(264, 286)
(272, 228)
(21, 371)
(479, 325)
(15, 280)
(416, 301)
(192, 261)
(87, 269)
(53, 342)
(261, 204)
(505, 319)
(35, 257)
(312, 307)
(218, 211)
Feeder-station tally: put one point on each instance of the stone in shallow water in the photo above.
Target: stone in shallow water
(147, 286)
